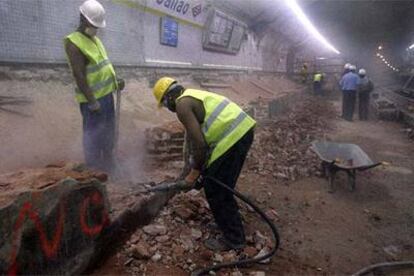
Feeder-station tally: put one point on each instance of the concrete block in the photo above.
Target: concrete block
(53, 230)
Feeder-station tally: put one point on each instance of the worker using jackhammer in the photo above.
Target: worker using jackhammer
(220, 134)
(96, 81)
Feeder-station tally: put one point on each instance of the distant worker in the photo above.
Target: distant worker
(304, 73)
(220, 135)
(348, 85)
(96, 81)
(365, 87)
(347, 67)
(317, 83)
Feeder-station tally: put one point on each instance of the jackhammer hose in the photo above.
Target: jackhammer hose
(275, 233)
(387, 265)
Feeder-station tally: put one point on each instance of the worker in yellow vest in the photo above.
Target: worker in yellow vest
(317, 83)
(304, 73)
(96, 81)
(220, 134)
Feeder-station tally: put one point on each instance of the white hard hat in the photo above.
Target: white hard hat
(362, 72)
(352, 67)
(347, 65)
(94, 12)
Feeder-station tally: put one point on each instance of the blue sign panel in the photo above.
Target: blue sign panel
(169, 31)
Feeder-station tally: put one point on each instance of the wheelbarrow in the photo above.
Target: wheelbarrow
(342, 157)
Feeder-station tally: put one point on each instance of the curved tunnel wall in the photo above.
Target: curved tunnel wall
(32, 32)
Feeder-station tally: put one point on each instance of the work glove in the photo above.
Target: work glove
(94, 107)
(189, 182)
(121, 84)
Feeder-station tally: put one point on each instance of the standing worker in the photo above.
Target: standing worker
(96, 81)
(220, 134)
(347, 67)
(348, 85)
(317, 83)
(304, 73)
(365, 87)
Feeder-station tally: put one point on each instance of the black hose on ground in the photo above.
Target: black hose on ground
(275, 233)
(387, 265)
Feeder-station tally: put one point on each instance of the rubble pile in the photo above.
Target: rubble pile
(165, 142)
(258, 109)
(281, 147)
(175, 239)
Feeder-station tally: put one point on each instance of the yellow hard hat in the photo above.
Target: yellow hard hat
(161, 87)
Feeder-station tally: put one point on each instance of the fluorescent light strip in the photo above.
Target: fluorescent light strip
(232, 66)
(308, 25)
(167, 62)
(411, 47)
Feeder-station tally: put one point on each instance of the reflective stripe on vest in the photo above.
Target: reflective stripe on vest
(214, 114)
(225, 123)
(100, 74)
(99, 85)
(97, 67)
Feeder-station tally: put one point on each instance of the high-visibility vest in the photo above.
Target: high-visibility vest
(224, 124)
(317, 77)
(100, 74)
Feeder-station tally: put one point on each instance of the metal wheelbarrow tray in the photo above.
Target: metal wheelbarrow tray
(342, 157)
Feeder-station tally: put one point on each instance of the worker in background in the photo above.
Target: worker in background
(348, 85)
(317, 83)
(96, 81)
(364, 89)
(347, 67)
(304, 73)
(221, 134)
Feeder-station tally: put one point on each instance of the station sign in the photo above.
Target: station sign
(193, 11)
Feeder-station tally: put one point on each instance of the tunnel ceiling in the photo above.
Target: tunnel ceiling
(349, 25)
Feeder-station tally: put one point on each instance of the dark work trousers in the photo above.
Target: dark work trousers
(363, 101)
(98, 134)
(348, 104)
(317, 88)
(222, 203)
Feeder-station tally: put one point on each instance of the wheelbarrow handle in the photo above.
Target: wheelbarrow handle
(373, 166)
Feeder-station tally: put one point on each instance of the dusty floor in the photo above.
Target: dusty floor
(321, 232)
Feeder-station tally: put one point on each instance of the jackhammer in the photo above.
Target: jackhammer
(180, 186)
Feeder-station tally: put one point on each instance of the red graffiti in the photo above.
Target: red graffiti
(49, 248)
(97, 200)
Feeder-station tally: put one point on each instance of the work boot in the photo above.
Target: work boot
(212, 226)
(221, 244)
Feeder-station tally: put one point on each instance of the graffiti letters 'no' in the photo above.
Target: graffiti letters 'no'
(51, 246)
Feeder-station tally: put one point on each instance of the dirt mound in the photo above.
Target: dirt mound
(14, 183)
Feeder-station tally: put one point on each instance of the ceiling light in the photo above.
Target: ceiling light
(380, 47)
(411, 47)
(308, 25)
